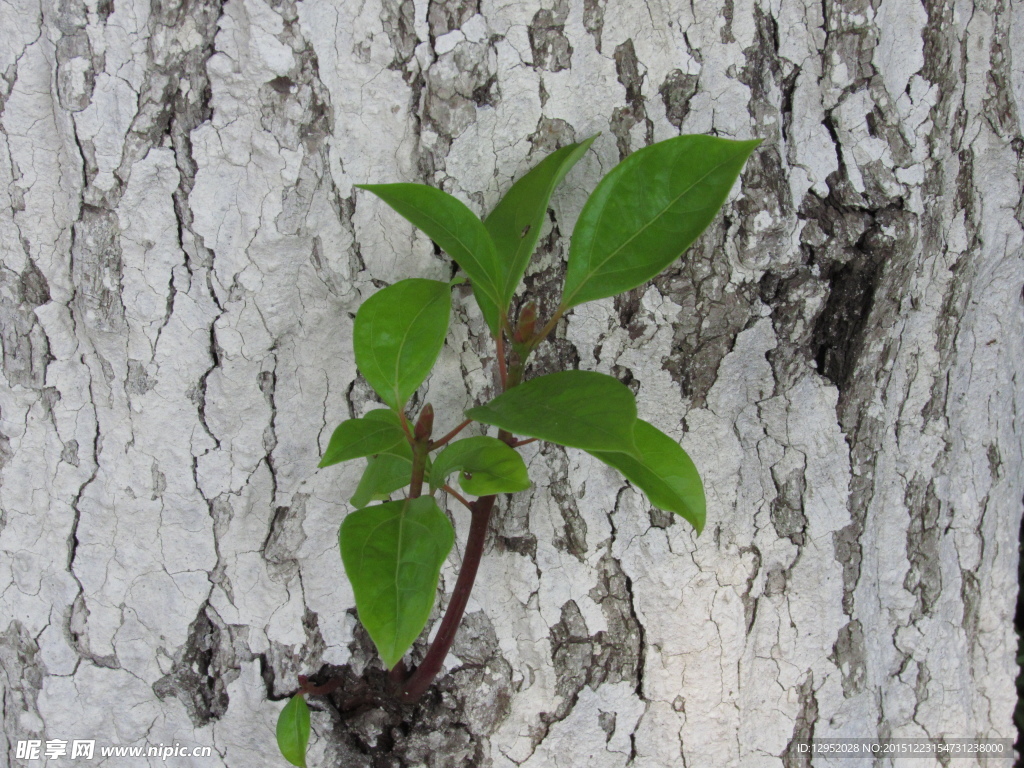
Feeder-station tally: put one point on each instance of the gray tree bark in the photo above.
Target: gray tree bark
(841, 354)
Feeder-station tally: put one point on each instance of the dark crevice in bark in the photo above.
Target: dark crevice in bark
(849, 656)
(924, 538)
(443, 16)
(624, 119)
(399, 20)
(593, 19)
(75, 618)
(550, 47)
(749, 601)
(676, 92)
(803, 728)
(608, 656)
(26, 349)
(858, 244)
(203, 668)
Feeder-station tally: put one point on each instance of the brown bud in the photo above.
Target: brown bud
(424, 424)
(527, 321)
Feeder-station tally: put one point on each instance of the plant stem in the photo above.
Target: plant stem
(547, 329)
(425, 673)
(447, 438)
(306, 688)
(519, 443)
(398, 674)
(405, 426)
(515, 375)
(481, 509)
(502, 371)
(419, 466)
(466, 503)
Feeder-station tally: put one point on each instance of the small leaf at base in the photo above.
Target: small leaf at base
(293, 731)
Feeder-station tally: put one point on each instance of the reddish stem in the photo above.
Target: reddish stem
(306, 688)
(467, 504)
(546, 329)
(398, 674)
(405, 426)
(447, 438)
(421, 678)
(502, 370)
(425, 673)
(520, 443)
(419, 466)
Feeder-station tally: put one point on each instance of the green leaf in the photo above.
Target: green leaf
(516, 222)
(663, 471)
(355, 438)
(450, 224)
(384, 474)
(486, 466)
(490, 311)
(580, 409)
(387, 472)
(398, 334)
(293, 731)
(393, 554)
(647, 211)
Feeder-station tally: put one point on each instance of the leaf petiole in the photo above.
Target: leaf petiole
(544, 332)
(465, 502)
(406, 427)
(447, 438)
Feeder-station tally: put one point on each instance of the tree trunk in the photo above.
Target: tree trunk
(841, 354)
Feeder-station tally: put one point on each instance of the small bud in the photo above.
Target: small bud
(424, 424)
(527, 320)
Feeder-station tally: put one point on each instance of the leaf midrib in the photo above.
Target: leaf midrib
(468, 250)
(401, 346)
(515, 275)
(592, 272)
(545, 407)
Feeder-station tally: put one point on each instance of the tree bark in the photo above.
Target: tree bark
(841, 354)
